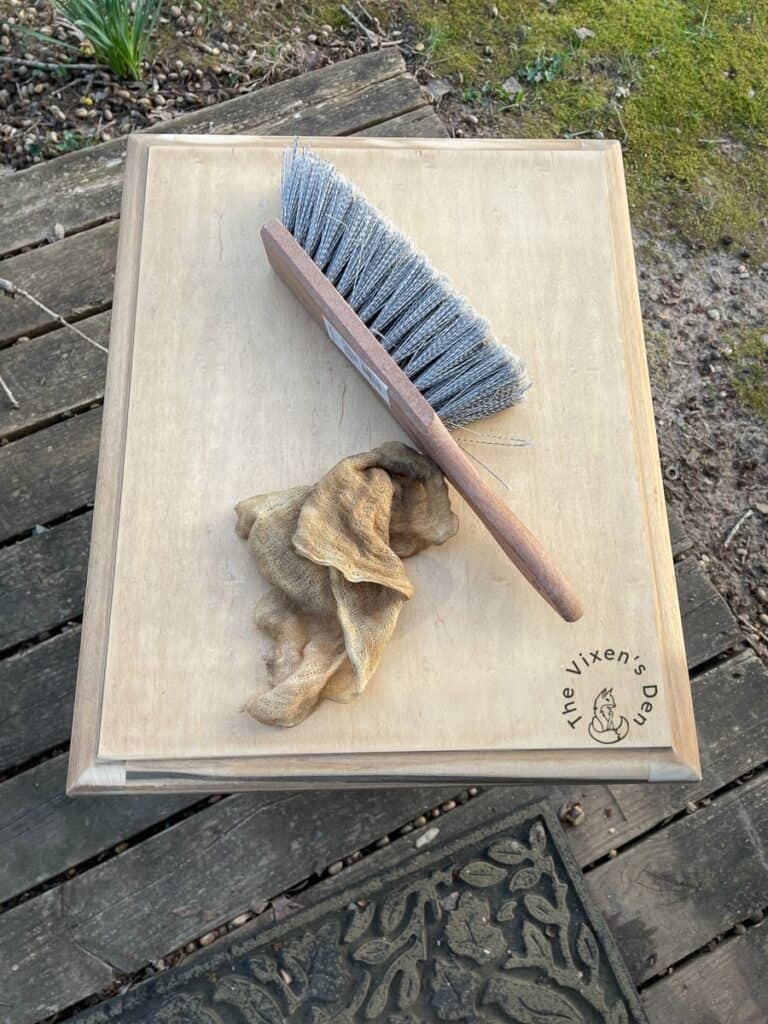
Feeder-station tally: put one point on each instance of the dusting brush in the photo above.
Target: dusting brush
(419, 345)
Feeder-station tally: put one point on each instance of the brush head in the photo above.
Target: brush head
(433, 334)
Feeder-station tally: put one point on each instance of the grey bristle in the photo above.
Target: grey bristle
(437, 339)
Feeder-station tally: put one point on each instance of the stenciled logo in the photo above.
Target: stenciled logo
(605, 726)
(593, 675)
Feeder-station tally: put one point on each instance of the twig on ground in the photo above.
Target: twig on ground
(371, 17)
(737, 527)
(50, 65)
(8, 392)
(619, 118)
(68, 85)
(13, 289)
(373, 39)
(751, 626)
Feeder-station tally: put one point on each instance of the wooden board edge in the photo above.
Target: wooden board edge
(101, 562)
(102, 779)
(668, 619)
(389, 770)
(359, 139)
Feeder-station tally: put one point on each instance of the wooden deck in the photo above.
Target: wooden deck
(95, 891)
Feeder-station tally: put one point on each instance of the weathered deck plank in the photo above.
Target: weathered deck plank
(729, 703)
(726, 986)
(72, 277)
(202, 871)
(421, 123)
(679, 539)
(37, 691)
(49, 473)
(54, 374)
(73, 940)
(82, 189)
(671, 894)
(43, 832)
(710, 625)
(43, 581)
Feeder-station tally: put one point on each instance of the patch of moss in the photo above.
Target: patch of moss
(682, 83)
(659, 354)
(749, 369)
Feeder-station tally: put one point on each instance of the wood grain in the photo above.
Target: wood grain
(231, 267)
(678, 538)
(49, 473)
(63, 945)
(37, 691)
(711, 626)
(43, 580)
(681, 887)
(109, 480)
(55, 833)
(421, 123)
(72, 277)
(52, 375)
(728, 985)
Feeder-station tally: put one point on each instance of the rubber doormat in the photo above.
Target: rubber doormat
(495, 926)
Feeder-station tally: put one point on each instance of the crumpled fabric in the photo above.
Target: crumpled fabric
(332, 554)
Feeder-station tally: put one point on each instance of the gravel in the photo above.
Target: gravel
(200, 59)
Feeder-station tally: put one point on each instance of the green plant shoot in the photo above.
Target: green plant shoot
(118, 30)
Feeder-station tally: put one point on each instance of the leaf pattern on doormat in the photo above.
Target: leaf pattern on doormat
(489, 928)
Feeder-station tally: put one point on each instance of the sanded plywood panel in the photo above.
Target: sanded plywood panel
(223, 387)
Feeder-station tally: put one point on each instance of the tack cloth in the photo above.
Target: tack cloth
(332, 554)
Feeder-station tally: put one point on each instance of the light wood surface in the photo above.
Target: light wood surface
(225, 388)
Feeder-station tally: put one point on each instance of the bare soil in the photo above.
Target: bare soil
(697, 308)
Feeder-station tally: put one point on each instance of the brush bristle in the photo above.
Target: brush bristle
(436, 338)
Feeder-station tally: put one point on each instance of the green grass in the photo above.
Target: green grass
(683, 85)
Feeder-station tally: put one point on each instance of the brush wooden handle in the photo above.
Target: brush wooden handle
(415, 415)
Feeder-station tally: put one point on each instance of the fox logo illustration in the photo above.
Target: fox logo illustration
(605, 727)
